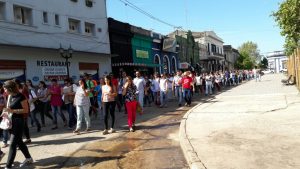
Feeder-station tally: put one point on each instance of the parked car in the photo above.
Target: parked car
(283, 70)
(268, 71)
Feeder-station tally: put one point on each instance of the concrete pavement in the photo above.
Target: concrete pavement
(252, 126)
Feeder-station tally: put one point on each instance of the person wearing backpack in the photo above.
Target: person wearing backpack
(68, 96)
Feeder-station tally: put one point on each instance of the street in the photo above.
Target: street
(255, 125)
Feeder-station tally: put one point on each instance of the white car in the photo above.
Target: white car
(283, 70)
(268, 71)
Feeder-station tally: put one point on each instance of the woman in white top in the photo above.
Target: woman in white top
(109, 93)
(82, 103)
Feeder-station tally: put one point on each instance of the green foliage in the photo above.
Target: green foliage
(264, 63)
(244, 61)
(251, 49)
(288, 19)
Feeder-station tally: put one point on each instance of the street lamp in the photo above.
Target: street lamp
(66, 54)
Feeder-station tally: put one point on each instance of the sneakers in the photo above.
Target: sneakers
(131, 129)
(105, 132)
(111, 130)
(27, 161)
(77, 132)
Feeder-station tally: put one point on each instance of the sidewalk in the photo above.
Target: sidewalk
(255, 125)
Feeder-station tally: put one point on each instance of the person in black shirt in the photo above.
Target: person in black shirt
(17, 106)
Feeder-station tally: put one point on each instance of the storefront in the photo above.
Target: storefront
(38, 64)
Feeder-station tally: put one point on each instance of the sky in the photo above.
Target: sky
(235, 21)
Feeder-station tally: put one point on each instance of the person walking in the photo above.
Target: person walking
(17, 106)
(33, 104)
(56, 102)
(163, 85)
(129, 92)
(68, 96)
(98, 92)
(177, 88)
(43, 107)
(109, 93)
(140, 83)
(82, 103)
(187, 85)
(5, 133)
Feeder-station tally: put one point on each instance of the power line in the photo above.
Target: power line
(128, 3)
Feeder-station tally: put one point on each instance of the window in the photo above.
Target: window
(74, 26)
(56, 17)
(89, 3)
(89, 29)
(23, 15)
(2, 11)
(45, 17)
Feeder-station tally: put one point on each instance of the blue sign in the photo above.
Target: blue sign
(35, 78)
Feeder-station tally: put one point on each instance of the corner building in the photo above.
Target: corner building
(32, 32)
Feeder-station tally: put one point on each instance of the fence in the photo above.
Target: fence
(294, 66)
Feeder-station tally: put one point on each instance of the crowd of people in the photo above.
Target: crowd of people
(88, 97)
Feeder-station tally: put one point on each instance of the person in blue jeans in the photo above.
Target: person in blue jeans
(68, 94)
(187, 85)
(98, 92)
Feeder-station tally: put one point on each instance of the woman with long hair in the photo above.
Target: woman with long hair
(109, 93)
(17, 106)
(82, 103)
(5, 132)
(129, 91)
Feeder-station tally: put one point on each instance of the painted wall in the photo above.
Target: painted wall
(36, 61)
(50, 35)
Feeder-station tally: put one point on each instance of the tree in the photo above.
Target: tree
(244, 61)
(288, 19)
(251, 49)
(264, 63)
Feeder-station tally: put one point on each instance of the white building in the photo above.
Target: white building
(214, 58)
(277, 61)
(33, 30)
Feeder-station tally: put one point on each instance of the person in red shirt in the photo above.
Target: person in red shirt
(187, 87)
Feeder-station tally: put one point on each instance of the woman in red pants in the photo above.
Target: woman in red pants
(129, 91)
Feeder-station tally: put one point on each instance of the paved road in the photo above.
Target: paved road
(154, 145)
(253, 126)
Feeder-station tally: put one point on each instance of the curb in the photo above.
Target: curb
(188, 150)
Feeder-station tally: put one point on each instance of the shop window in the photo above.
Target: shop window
(23, 15)
(45, 17)
(74, 26)
(2, 11)
(89, 29)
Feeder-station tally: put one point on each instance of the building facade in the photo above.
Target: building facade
(231, 55)
(214, 59)
(277, 61)
(188, 50)
(32, 31)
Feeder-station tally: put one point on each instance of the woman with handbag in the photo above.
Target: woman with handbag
(17, 106)
(129, 91)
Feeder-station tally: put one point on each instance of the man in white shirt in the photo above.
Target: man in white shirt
(140, 84)
(177, 88)
(163, 85)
